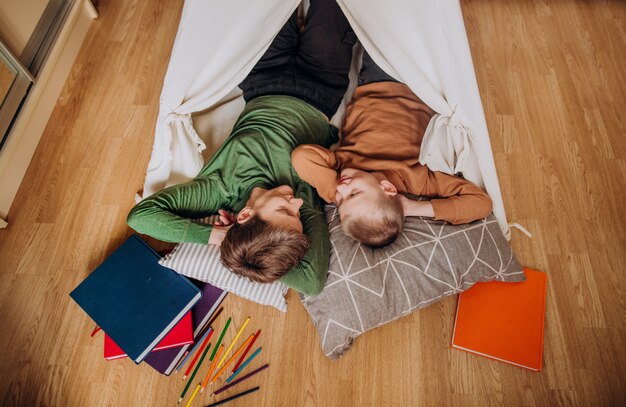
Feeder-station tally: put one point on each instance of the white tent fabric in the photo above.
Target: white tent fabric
(422, 43)
(217, 45)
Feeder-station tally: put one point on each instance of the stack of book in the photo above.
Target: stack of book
(148, 312)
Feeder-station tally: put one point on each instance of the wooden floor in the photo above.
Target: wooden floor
(553, 84)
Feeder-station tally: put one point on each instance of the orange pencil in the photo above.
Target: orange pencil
(206, 379)
(232, 358)
(195, 358)
(243, 355)
(233, 342)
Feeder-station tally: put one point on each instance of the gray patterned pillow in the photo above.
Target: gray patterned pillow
(431, 260)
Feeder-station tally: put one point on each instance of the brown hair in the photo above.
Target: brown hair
(379, 228)
(262, 252)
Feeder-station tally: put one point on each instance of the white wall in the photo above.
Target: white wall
(18, 19)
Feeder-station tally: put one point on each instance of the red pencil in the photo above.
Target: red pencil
(95, 330)
(193, 361)
(256, 335)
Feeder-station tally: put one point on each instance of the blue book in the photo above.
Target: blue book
(134, 299)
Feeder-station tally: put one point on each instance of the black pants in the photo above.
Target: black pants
(370, 72)
(313, 65)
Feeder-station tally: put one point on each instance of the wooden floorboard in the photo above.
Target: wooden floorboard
(553, 86)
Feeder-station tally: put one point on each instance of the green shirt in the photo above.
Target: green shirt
(256, 154)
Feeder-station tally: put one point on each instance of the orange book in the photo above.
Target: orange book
(504, 321)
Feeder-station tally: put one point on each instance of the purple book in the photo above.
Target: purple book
(164, 361)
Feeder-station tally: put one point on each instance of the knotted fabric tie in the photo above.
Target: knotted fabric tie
(174, 118)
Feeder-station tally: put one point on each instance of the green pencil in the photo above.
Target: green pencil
(182, 395)
(219, 341)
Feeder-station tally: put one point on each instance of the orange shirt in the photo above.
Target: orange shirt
(382, 133)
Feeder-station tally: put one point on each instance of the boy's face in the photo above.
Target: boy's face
(279, 207)
(357, 191)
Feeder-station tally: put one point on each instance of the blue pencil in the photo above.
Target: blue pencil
(244, 364)
(193, 349)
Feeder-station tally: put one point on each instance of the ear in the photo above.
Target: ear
(388, 187)
(245, 215)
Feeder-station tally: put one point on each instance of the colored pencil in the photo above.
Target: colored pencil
(192, 396)
(232, 358)
(244, 364)
(219, 341)
(208, 328)
(228, 386)
(236, 396)
(208, 375)
(181, 361)
(243, 355)
(180, 365)
(95, 330)
(233, 342)
(193, 361)
(194, 373)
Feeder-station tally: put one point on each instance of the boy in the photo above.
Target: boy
(290, 94)
(377, 158)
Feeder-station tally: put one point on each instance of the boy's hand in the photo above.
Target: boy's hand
(220, 227)
(225, 219)
(416, 208)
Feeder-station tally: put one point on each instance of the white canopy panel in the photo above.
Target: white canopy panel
(422, 43)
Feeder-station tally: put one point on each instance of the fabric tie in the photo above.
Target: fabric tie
(446, 154)
(518, 227)
(185, 120)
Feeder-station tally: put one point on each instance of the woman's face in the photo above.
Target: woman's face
(278, 207)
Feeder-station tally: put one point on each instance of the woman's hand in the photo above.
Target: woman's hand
(220, 227)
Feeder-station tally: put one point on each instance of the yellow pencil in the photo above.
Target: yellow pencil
(208, 375)
(242, 347)
(233, 343)
(192, 395)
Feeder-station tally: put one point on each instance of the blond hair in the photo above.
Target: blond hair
(379, 227)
